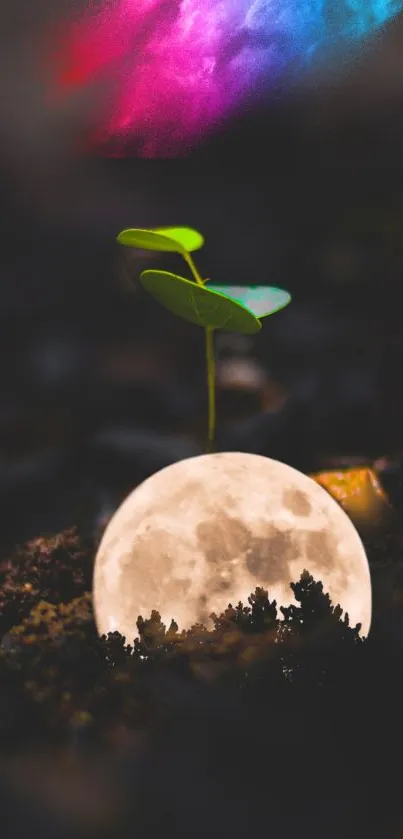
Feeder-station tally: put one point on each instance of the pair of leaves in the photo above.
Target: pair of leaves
(235, 308)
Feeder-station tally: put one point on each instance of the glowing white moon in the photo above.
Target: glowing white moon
(205, 531)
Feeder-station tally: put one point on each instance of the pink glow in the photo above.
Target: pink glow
(163, 59)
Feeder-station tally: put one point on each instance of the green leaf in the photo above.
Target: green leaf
(177, 239)
(199, 304)
(190, 239)
(261, 300)
(148, 240)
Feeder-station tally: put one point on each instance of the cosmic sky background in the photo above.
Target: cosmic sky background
(174, 70)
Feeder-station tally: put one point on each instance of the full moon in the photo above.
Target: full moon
(206, 531)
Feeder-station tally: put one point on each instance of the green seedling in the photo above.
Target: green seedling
(234, 308)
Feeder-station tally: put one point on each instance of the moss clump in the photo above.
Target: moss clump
(55, 569)
(61, 682)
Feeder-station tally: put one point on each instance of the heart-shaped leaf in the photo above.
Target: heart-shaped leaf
(261, 300)
(190, 239)
(177, 239)
(199, 304)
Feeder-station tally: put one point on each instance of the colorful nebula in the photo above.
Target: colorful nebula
(177, 68)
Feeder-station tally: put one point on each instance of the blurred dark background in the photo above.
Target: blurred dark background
(99, 385)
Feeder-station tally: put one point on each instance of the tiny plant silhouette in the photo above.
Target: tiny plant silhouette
(234, 308)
